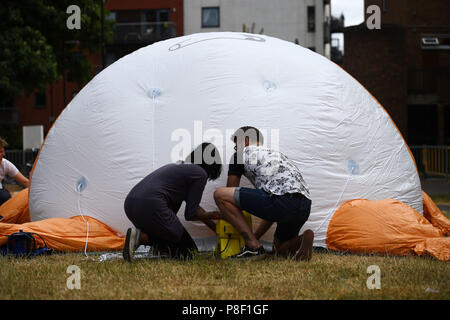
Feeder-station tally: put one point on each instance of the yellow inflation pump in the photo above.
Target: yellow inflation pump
(229, 241)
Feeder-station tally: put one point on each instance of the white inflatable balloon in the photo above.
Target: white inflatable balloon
(153, 106)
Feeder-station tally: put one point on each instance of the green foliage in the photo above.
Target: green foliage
(36, 47)
(12, 134)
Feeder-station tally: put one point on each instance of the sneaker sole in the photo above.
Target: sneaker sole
(305, 251)
(127, 255)
(253, 258)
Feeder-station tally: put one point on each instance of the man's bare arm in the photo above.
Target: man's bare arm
(233, 181)
(22, 180)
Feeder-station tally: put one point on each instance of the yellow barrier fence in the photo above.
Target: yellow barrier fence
(432, 160)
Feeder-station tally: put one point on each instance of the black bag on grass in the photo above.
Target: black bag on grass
(23, 244)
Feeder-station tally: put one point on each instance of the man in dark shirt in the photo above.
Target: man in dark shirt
(153, 203)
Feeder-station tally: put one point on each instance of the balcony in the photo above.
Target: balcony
(337, 24)
(336, 55)
(143, 32)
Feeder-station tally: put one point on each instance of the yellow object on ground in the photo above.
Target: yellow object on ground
(229, 241)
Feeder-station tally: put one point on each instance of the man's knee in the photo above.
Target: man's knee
(219, 194)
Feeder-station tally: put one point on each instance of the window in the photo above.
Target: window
(311, 18)
(436, 42)
(210, 17)
(39, 100)
(6, 103)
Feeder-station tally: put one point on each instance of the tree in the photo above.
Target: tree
(37, 48)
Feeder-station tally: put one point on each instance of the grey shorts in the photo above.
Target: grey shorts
(236, 197)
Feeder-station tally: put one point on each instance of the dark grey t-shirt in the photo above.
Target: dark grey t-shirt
(174, 183)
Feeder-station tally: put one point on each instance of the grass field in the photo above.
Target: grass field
(327, 276)
(442, 198)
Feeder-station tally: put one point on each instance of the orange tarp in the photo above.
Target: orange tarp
(16, 209)
(386, 227)
(434, 215)
(359, 226)
(62, 234)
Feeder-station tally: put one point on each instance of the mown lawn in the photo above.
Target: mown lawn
(326, 276)
(441, 198)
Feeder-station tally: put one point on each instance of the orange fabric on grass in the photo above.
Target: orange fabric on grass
(385, 227)
(62, 234)
(16, 209)
(434, 215)
(68, 234)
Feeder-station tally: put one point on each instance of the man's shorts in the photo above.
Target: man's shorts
(289, 211)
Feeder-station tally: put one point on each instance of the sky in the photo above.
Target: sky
(353, 11)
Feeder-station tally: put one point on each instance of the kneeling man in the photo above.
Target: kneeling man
(280, 195)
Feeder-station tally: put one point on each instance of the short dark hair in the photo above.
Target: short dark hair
(253, 134)
(207, 156)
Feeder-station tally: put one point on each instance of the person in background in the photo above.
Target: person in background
(280, 195)
(10, 170)
(152, 204)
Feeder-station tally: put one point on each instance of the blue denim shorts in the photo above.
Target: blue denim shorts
(289, 211)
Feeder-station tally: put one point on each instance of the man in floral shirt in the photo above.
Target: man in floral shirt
(281, 195)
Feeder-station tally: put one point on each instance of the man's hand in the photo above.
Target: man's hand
(207, 217)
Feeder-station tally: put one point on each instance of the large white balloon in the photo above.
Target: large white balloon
(142, 111)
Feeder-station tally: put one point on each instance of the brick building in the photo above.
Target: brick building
(406, 65)
(138, 23)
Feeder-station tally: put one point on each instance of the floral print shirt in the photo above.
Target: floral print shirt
(268, 170)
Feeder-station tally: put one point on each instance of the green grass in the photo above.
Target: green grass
(441, 198)
(326, 276)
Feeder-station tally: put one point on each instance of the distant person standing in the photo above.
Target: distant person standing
(10, 170)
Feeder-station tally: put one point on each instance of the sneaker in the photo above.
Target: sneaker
(304, 253)
(247, 253)
(131, 244)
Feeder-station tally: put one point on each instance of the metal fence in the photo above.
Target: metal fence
(22, 159)
(432, 160)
